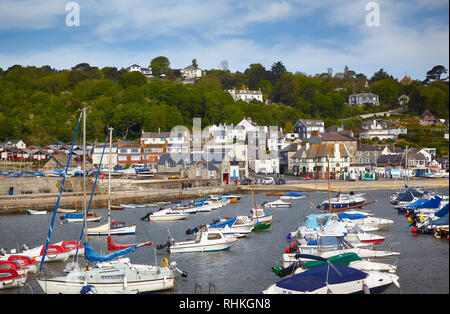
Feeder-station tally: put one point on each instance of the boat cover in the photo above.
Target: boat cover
(315, 221)
(351, 216)
(292, 193)
(316, 278)
(442, 221)
(342, 259)
(442, 212)
(93, 256)
(114, 246)
(426, 203)
(222, 224)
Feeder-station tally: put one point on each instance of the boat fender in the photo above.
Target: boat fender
(414, 230)
(289, 236)
(165, 262)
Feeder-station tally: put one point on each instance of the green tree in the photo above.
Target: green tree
(277, 70)
(160, 65)
(133, 78)
(255, 74)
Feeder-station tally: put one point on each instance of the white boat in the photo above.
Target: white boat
(167, 214)
(36, 212)
(24, 261)
(366, 221)
(108, 277)
(117, 228)
(239, 226)
(329, 245)
(71, 218)
(55, 253)
(128, 205)
(277, 204)
(334, 279)
(10, 278)
(343, 201)
(206, 240)
(66, 210)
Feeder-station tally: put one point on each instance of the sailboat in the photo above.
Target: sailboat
(112, 226)
(109, 275)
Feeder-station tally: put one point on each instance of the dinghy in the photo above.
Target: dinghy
(277, 204)
(294, 196)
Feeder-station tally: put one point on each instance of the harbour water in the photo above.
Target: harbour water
(423, 263)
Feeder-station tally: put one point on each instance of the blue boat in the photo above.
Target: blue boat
(333, 279)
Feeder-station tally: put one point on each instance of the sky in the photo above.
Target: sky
(404, 37)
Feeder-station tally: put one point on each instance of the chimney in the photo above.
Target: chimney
(336, 150)
(159, 130)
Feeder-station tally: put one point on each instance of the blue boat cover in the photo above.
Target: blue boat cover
(93, 256)
(309, 256)
(316, 278)
(292, 193)
(74, 216)
(311, 221)
(442, 212)
(426, 203)
(351, 216)
(222, 224)
(442, 221)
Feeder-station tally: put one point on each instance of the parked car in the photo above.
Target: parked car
(245, 181)
(280, 181)
(268, 180)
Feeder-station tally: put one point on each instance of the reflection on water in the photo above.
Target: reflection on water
(246, 267)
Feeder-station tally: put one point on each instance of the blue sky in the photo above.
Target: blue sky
(306, 35)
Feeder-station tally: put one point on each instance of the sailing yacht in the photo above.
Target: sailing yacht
(110, 274)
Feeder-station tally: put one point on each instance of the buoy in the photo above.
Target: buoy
(414, 230)
(409, 219)
(421, 218)
(406, 214)
(287, 250)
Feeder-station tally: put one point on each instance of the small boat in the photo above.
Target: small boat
(262, 220)
(128, 205)
(366, 221)
(277, 204)
(117, 207)
(294, 196)
(24, 261)
(9, 278)
(333, 279)
(55, 253)
(36, 212)
(206, 240)
(4, 264)
(167, 214)
(239, 226)
(66, 210)
(275, 194)
(116, 228)
(328, 245)
(71, 247)
(91, 217)
(230, 196)
(345, 259)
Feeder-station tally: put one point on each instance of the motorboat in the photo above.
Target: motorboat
(239, 226)
(206, 240)
(366, 221)
(167, 214)
(343, 201)
(328, 245)
(345, 259)
(294, 196)
(277, 204)
(333, 279)
(116, 228)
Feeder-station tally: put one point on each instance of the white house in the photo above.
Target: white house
(376, 128)
(136, 67)
(246, 95)
(363, 98)
(191, 73)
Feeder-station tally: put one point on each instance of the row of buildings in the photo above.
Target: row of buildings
(230, 152)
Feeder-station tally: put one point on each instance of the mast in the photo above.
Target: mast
(84, 175)
(109, 184)
(329, 189)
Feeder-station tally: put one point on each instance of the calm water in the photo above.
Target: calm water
(423, 264)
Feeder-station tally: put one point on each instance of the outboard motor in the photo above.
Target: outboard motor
(174, 268)
(194, 230)
(88, 289)
(146, 217)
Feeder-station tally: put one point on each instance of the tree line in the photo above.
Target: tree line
(42, 104)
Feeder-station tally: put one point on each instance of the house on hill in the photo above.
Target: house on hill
(427, 118)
